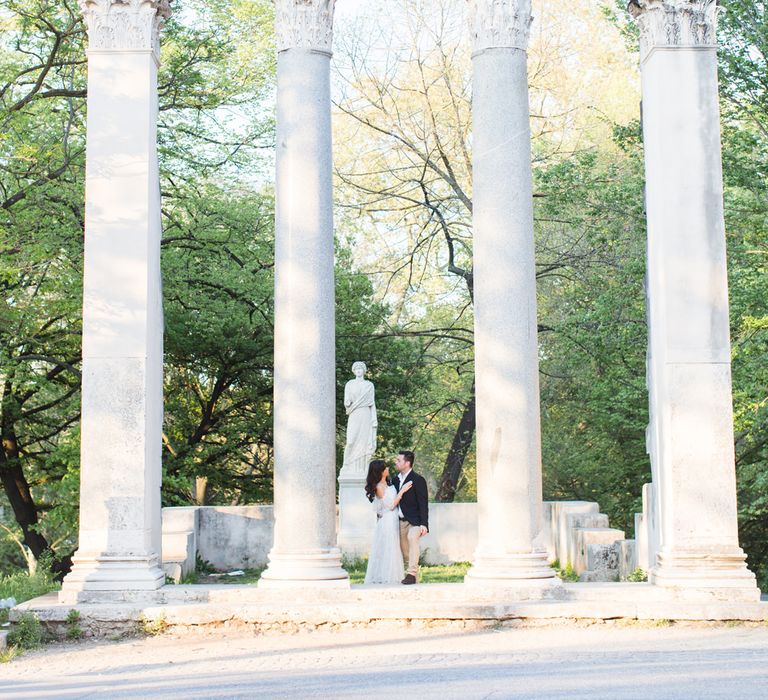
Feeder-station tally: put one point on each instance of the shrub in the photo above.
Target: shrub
(23, 586)
(26, 633)
(637, 576)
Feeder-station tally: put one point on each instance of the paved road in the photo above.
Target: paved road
(600, 661)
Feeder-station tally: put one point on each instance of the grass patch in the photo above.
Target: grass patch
(22, 586)
(428, 573)
(355, 568)
(448, 573)
(9, 654)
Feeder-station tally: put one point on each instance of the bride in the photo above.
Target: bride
(385, 564)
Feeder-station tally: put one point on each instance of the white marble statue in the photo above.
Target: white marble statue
(362, 422)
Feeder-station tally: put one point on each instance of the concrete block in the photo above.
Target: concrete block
(578, 521)
(173, 571)
(235, 537)
(547, 531)
(559, 511)
(641, 542)
(602, 563)
(651, 524)
(588, 536)
(179, 540)
(452, 533)
(627, 553)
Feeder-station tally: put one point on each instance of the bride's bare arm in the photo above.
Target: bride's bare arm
(400, 493)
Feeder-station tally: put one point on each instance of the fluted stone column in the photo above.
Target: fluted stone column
(304, 551)
(689, 360)
(122, 392)
(506, 349)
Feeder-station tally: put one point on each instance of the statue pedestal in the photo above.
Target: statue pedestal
(357, 519)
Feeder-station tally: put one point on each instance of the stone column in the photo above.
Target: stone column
(689, 359)
(304, 551)
(122, 387)
(506, 348)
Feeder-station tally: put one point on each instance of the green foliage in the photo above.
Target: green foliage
(744, 40)
(26, 632)
(593, 337)
(22, 586)
(74, 630)
(202, 566)
(190, 578)
(637, 576)
(153, 627)
(566, 574)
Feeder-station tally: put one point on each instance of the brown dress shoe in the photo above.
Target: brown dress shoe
(408, 580)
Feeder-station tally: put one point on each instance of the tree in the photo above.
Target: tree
(405, 168)
(42, 105)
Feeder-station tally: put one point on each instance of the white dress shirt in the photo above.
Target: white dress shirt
(401, 476)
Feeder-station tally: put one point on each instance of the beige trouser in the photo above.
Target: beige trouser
(409, 546)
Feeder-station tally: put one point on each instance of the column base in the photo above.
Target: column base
(357, 520)
(307, 569)
(109, 574)
(529, 570)
(720, 572)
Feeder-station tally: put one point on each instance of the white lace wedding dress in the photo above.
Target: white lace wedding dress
(385, 563)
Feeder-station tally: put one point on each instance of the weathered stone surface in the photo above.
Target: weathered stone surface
(602, 563)
(575, 522)
(305, 543)
(689, 359)
(591, 536)
(506, 350)
(235, 537)
(563, 535)
(265, 610)
(627, 553)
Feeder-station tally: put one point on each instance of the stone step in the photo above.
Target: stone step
(105, 620)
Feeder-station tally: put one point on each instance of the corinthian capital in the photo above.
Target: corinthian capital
(125, 24)
(304, 24)
(674, 22)
(500, 23)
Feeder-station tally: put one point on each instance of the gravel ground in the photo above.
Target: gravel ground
(611, 661)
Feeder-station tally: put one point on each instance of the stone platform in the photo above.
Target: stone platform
(196, 606)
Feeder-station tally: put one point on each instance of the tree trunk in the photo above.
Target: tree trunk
(454, 462)
(20, 498)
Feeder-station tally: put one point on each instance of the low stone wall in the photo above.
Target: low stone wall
(240, 537)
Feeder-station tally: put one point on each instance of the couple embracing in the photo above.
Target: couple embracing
(402, 514)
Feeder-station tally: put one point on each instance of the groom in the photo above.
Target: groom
(413, 512)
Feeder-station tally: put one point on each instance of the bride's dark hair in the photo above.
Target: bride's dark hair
(375, 470)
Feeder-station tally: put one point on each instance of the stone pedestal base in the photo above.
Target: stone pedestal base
(305, 569)
(356, 517)
(90, 575)
(719, 570)
(513, 570)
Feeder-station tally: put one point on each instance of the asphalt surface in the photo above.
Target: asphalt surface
(611, 661)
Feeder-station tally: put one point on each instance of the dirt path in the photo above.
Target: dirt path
(598, 661)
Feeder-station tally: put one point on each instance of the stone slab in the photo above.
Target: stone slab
(627, 558)
(3, 639)
(361, 606)
(573, 523)
(592, 535)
